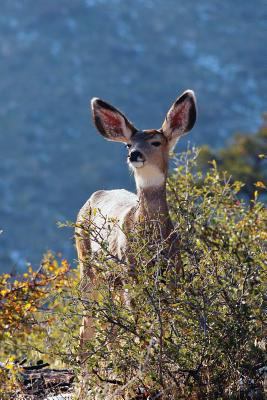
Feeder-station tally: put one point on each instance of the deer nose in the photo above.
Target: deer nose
(136, 156)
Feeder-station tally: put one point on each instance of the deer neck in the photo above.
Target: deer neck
(152, 200)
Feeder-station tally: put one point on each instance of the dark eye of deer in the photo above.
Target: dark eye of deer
(128, 146)
(156, 144)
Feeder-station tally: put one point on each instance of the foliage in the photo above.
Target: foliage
(30, 308)
(199, 333)
(245, 159)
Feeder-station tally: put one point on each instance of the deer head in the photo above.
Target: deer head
(148, 150)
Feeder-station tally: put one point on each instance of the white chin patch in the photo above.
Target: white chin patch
(149, 176)
(137, 164)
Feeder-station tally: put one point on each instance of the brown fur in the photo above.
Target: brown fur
(151, 148)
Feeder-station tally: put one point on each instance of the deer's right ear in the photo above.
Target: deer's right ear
(110, 122)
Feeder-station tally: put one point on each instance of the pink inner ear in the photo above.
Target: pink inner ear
(111, 120)
(178, 116)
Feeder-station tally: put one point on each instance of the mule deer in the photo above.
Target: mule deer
(148, 154)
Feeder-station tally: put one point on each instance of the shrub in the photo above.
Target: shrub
(198, 334)
(33, 318)
(245, 158)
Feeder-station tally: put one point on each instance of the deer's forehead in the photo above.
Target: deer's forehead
(147, 135)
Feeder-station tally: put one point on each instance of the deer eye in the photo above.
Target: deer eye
(156, 144)
(128, 145)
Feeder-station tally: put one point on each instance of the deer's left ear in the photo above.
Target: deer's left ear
(181, 117)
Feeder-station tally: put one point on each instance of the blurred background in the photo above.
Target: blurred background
(138, 55)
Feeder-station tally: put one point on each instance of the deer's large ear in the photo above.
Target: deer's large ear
(180, 118)
(110, 122)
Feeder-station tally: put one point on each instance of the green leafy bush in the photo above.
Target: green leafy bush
(197, 334)
(245, 159)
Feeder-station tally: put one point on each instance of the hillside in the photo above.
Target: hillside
(55, 56)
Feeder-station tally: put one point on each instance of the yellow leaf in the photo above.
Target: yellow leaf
(27, 306)
(213, 163)
(260, 184)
